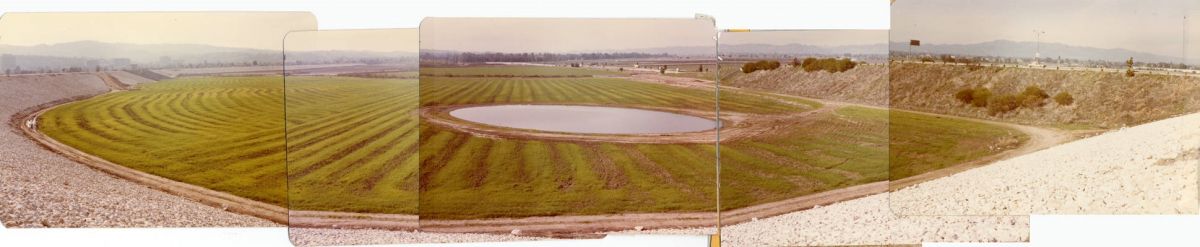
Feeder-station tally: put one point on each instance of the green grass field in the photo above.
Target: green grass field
(351, 145)
(921, 143)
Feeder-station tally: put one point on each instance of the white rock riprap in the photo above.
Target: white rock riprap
(39, 188)
(323, 237)
(1146, 169)
(865, 221)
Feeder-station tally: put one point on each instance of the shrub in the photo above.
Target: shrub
(980, 97)
(1064, 98)
(1033, 96)
(831, 65)
(965, 96)
(1003, 104)
(760, 65)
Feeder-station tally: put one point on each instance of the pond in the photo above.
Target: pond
(584, 119)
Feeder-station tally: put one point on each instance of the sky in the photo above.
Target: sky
(562, 35)
(374, 40)
(258, 30)
(1155, 26)
(806, 37)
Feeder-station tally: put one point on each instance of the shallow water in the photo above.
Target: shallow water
(584, 119)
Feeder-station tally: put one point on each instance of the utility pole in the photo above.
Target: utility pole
(1037, 55)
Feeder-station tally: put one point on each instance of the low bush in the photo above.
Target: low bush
(1064, 98)
(1033, 96)
(1003, 104)
(980, 97)
(965, 96)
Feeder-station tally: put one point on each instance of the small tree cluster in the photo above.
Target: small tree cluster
(1033, 97)
(760, 65)
(1129, 67)
(831, 65)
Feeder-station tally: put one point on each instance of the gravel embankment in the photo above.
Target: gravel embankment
(322, 237)
(44, 189)
(1146, 169)
(865, 221)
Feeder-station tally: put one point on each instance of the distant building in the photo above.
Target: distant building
(8, 61)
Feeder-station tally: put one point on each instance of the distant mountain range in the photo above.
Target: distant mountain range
(71, 53)
(1025, 49)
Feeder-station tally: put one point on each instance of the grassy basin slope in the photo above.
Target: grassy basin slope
(351, 146)
(351, 140)
(466, 177)
(221, 133)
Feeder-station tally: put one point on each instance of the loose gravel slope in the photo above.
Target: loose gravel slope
(43, 189)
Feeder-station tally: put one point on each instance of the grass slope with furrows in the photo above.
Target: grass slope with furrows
(466, 177)
(350, 141)
(220, 133)
(352, 144)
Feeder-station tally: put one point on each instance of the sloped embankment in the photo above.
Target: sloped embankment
(865, 84)
(1102, 99)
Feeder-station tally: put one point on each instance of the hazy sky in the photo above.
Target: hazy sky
(376, 40)
(562, 35)
(260, 30)
(1154, 26)
(807, 37)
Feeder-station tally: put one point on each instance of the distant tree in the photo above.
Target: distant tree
(796, 62)
(701, 68)
(662, 69)
(1129, 67)
(7, 72)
